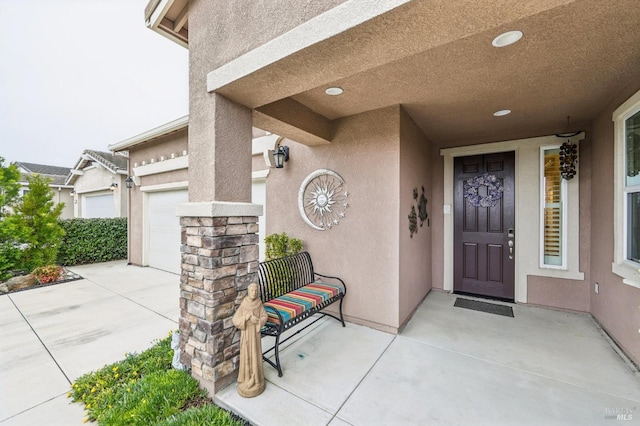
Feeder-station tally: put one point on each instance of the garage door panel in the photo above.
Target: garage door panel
(163, 250)
(98, 206)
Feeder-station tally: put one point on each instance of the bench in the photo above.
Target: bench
(291, 292)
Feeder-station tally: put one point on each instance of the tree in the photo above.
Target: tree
(9, 186)
(10, 234)
(35, 219)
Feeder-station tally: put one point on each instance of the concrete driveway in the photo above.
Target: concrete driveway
(52, 335)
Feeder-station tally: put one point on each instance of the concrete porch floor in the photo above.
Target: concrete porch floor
(449, 366)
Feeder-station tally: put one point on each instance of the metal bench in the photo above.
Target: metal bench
(291, 292)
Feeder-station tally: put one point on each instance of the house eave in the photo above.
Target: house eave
(165, 129)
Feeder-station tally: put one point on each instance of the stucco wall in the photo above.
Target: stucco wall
(96, 181)
(219, 32)
(363, 248)
(243, 26)
(175, 143)
(617, 306)
(562, 293)
(64, 196)
(414, 251)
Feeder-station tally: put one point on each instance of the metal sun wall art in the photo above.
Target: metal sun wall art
(422, 212)
(322, 199)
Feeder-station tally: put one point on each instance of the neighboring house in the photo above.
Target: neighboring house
(410, 95)
(62, 192)
(158, 171)
(98, 181)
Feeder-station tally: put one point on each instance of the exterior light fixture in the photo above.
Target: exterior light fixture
(506, 39)
(128, 182)
(72, 193)
(502, 112)
(113, 186)
(334, 91)
(280, 156)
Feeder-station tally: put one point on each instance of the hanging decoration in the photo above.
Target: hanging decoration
(568, 155)
(494, 186)
(322, 199)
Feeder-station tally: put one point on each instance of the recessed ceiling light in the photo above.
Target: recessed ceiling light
(505, 39)
(334, 91)
(502, 112)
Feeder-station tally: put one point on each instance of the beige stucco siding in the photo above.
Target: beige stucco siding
(415, 251)
(617, 306)
(97, 181)
(363, 248)
(175, 145)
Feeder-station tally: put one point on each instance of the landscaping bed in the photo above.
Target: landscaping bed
(143, 389)
(41, 277)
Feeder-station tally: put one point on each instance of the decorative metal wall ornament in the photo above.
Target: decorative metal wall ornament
(494, 185)
(413, 221)
(422, 212)
(422, 209)
(322, 199)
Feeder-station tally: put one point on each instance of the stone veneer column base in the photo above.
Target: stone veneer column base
(219, 260)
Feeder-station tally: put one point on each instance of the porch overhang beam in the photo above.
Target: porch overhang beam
(244, 72)
(295, 121)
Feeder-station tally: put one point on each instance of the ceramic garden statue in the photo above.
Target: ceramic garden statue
(249, 318)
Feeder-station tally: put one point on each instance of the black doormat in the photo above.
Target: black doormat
(491, 308)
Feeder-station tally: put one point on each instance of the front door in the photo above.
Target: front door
(484, 225)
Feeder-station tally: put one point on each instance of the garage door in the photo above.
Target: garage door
(163, 250)
(99, 206)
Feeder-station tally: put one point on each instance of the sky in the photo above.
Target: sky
(83, 74)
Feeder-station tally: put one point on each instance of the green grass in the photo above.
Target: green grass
(143, 389)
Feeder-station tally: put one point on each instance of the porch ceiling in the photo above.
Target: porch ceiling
(436, 59)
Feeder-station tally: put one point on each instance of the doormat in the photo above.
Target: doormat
(491, 308)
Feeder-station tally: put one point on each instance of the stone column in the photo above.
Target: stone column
(219, 261)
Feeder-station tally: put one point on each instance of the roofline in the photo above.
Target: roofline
(155, 12)
(165, 129)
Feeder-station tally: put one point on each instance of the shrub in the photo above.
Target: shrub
(48, 274)
(100, 389)
(280, 245)
(207, 415)
(142, 389)
(152, 398)
(34, 219)
(93, 240)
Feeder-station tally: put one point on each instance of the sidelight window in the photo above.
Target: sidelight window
(553, 202)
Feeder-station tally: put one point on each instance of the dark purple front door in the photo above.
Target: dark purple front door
(484, 225)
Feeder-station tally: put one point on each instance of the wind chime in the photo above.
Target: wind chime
(568, 154)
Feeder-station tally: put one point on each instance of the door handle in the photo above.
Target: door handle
(510, 243)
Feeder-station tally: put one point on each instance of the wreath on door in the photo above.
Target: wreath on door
(494, 185)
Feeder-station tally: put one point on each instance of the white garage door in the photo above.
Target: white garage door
(163, 250)
(98, 206)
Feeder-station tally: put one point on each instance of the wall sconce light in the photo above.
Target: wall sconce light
(280, 156)
(72, 193)
(128, 182)
(113, 186)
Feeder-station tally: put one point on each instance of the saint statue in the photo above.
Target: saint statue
(250, 318)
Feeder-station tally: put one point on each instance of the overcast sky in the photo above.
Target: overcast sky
(83, 74)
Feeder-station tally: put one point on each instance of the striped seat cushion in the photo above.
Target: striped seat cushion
(298, 301)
